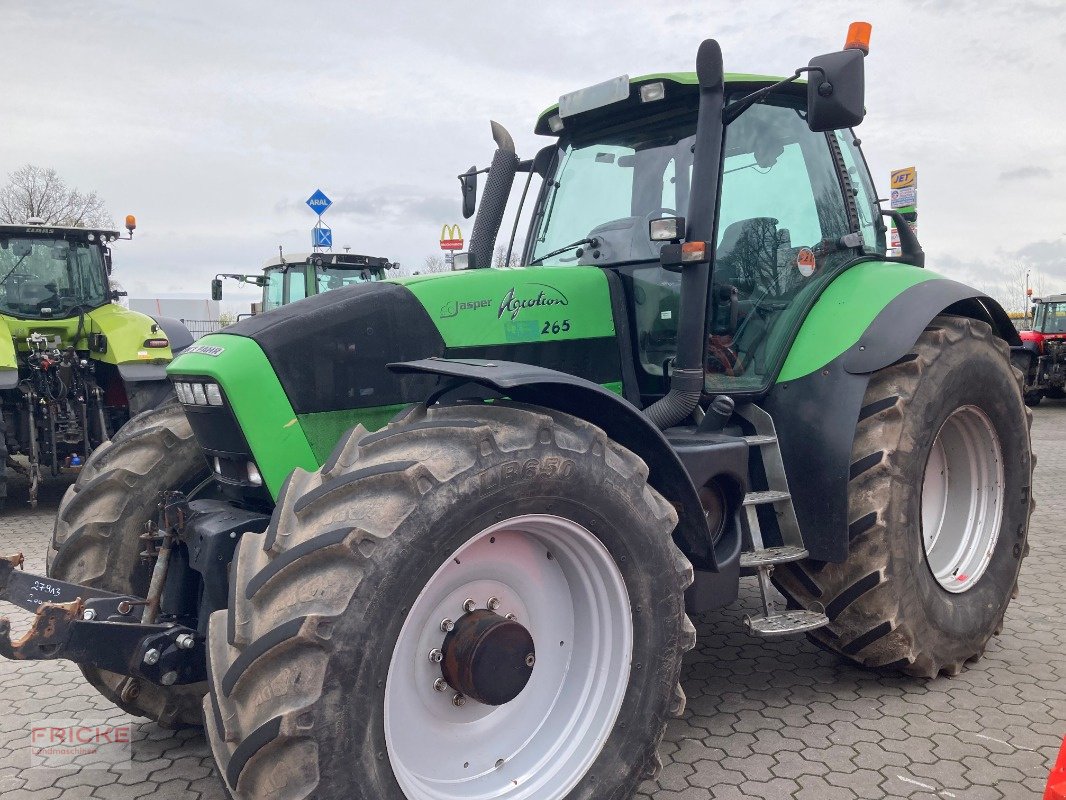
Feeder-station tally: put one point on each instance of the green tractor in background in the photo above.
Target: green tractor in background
(286, 279)
(440, 537)
(74, 365)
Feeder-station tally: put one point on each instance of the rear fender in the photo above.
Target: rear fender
(816, 413)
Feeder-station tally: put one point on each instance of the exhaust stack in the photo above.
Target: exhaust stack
(497, 190)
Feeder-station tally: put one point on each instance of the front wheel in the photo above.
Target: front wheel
(939, 504)
(476, 601)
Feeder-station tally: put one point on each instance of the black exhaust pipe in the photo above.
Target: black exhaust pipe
(686, 382)
(497, 190)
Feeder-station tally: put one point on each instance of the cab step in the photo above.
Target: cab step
(768, 557)
(760, 440)
(787, 622)
(765, 497)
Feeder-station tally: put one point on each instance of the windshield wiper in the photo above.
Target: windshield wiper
(592, 241)
(10, 271)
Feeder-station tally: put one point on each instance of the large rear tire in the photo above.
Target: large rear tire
(96, 539)
(323, 680)
(939, 504)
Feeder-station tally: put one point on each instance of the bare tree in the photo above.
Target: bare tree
(434, 263)
(500, 260)
(34, 191)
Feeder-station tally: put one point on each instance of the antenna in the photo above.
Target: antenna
(281, 255)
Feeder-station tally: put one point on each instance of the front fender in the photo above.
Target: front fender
(618, 418)
(879, 314)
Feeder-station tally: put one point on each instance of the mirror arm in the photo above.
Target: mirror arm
(738, 107)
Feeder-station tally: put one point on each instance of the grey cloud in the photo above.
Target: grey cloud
(1025, 173)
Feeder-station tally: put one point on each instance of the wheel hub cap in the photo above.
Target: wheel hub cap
(488, 658)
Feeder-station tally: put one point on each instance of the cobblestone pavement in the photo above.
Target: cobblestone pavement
(764, 720)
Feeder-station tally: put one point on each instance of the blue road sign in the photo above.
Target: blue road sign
(318, 202)
(322, 237)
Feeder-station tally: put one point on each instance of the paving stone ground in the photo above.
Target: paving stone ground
(764, 720)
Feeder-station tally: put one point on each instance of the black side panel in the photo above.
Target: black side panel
(816, 415)
(620, 313)
(330, 350)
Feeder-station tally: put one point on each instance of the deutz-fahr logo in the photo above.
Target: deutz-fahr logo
(514, 303)
(453, 307)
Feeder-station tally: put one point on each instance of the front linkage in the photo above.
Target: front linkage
(97, 628)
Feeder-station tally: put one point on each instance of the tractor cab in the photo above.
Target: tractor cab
(796, 207)
(50, 272)
(1049, 320)
(286, 279)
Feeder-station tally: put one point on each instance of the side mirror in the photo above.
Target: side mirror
(468, 182)
(216, 289)
(836, 91)
(107, 260)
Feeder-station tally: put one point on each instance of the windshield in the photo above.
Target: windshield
(609, 189)
(336, 277)
(1050, 318)
(42, 278)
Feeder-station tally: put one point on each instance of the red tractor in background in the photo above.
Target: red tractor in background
(1047, 342)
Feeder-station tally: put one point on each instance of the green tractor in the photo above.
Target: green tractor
(440, 537)
(74, 365)
(286, 279)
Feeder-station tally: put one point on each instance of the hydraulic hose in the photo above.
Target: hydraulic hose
(497, 191)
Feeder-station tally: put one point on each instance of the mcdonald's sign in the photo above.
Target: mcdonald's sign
(451, 238)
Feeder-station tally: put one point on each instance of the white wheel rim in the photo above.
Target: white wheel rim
(540, 744)
(962, 499)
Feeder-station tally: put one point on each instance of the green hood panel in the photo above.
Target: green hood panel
(845, 310)
(126, 333)
(509, 306)
(257, 400)
(8, 359)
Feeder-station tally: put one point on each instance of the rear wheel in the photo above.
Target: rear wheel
(96, 540)
(939, 505)
(476, 601)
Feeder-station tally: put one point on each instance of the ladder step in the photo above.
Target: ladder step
(759, 440)
(786, 622)
(764, 498)
(771, 556)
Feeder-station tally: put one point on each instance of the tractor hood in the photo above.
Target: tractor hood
(119, 336)
(294, 379)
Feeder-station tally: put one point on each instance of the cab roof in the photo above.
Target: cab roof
(686, 81)
(351, 260)
(52, 231)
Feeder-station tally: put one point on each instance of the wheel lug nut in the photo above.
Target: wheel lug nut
(469, 605)
(440, 684)
(436, 656)
(447, 625)
(493, 604)
(458, 701)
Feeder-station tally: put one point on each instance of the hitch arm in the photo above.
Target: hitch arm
(29, 591)
(95, 628)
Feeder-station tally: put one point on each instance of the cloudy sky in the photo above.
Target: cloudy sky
(213, 122)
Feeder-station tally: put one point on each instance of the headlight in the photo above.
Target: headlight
(199, 394)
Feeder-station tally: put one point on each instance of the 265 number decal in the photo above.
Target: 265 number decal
(559, 326)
